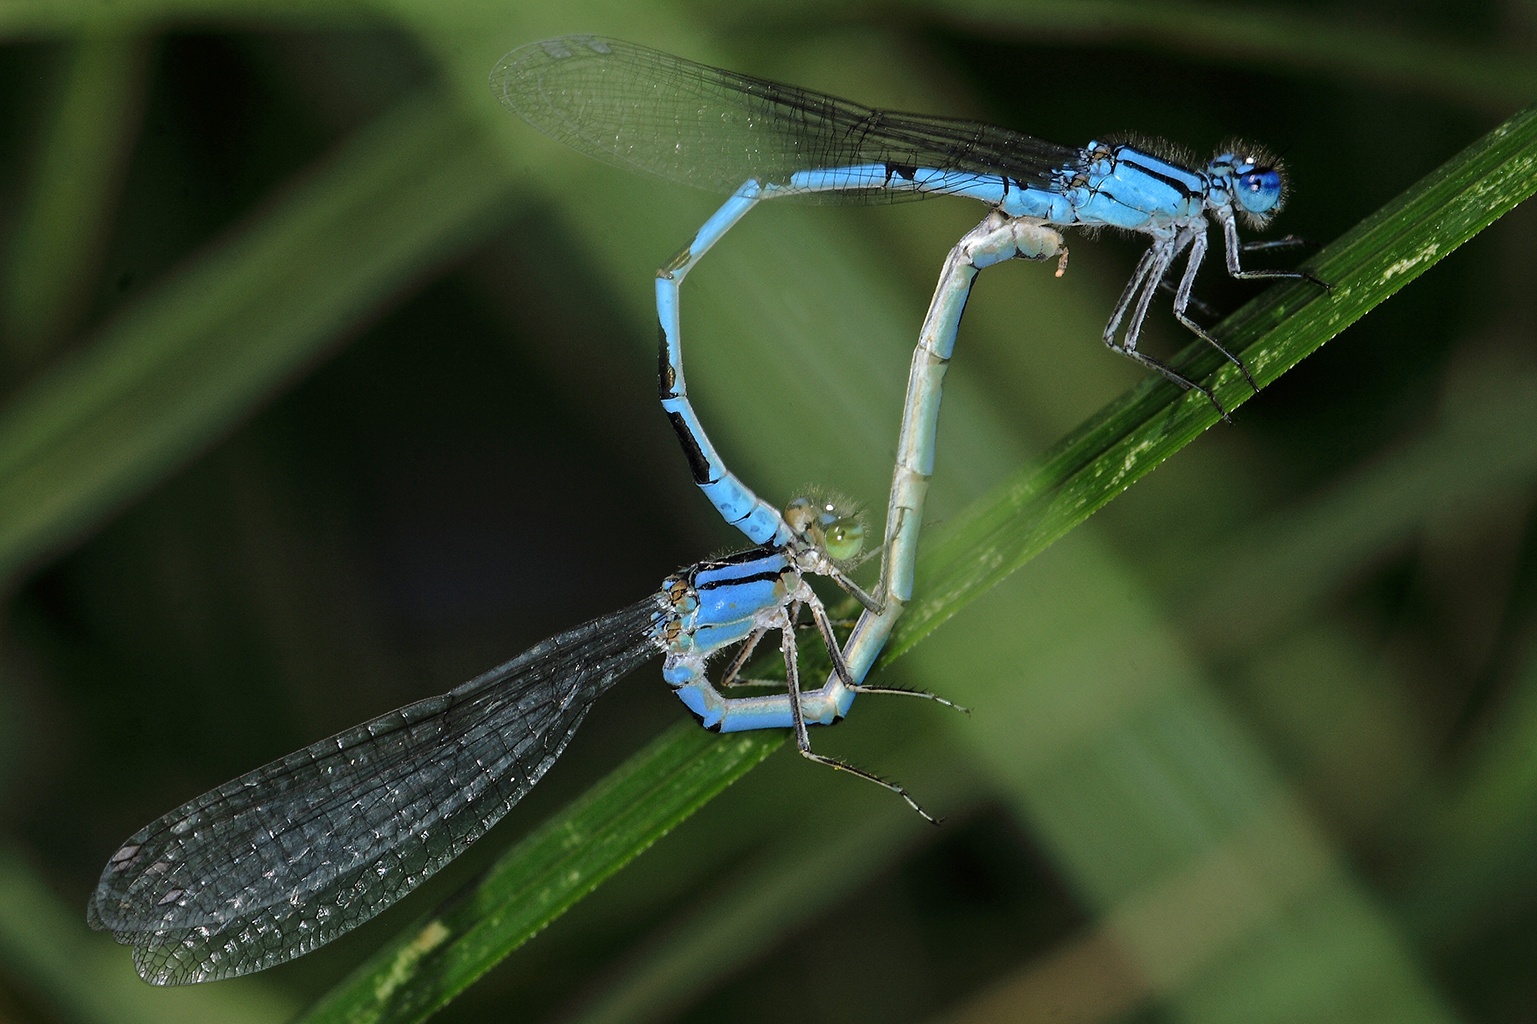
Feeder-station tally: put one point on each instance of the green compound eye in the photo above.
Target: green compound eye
(843, 538)
(818, 520)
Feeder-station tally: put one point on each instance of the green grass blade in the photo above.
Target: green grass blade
(1042, 501)
(179, 368)
(542, 876)
(68, 208)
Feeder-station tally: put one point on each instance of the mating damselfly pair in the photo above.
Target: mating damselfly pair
(283, 859)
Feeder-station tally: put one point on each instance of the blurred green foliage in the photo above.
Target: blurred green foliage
(327, 383)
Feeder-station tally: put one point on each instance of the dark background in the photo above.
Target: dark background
(1253, 744)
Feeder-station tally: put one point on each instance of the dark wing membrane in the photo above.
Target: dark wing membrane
(640, 108)
(291, 855)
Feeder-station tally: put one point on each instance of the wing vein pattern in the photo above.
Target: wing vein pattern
(638, 108)
(285, 858)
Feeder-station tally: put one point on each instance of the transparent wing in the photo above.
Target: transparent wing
(640, 108)
(293, 854)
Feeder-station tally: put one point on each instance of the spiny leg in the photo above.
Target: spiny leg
(851, 588)
(1169, 286)
(824, 625)
(1182, 299)
(1284, 275)
(1133, 289)
(1284, 242)
(1200, 332)
(803, 741)
(1164, 255)
(1174, 375)
(1232, 247)
(1137, 295)
(740, 659)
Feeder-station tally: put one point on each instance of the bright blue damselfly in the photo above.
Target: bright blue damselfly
(282, 860)
(642, 109)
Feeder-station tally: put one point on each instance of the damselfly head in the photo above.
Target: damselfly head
(1257, 179)
(832, 524)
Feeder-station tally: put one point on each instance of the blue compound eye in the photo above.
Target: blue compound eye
(1259, 190)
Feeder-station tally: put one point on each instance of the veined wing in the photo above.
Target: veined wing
(635, 107)
(287, 857)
